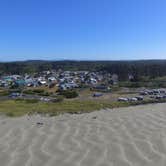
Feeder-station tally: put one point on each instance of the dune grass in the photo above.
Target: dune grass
(19, 108)
(14, 108)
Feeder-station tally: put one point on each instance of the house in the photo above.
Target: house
(66, 86)
(114, 79)
(51, 79)
(20, 82)
(130, 77)
(4, 83)
(16, 77)
(30, 82)
(92, 81)
(42, 82)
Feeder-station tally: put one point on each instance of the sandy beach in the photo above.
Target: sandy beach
(133, 136)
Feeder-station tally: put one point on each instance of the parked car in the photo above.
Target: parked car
(150, 92)
(159, 97)
(152, 96)
(133, 99)
(143, 93)
(123, 99)
(156, 91)
(162, 90)
(14, 95)
(45, 99)
(97, 95)
(139, 98)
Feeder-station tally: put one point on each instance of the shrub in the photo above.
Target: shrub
(15, 91)
(28, 92)
(45, 94)
(4, 93)
(10, 114)
(132, 84)
(69, 93)
(38, 90)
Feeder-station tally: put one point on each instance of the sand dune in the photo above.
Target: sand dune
(134, 136)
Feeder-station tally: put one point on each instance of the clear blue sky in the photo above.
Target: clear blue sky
(82, 29)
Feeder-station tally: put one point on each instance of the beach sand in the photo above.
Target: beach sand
(133, 136)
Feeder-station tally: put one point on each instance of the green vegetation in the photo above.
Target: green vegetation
(157, 82)
(14, 108)
(139, 69)
(69, 93)
(4, 93)
(150, 74)
(40, 92)
(27, 100)
(34, 91)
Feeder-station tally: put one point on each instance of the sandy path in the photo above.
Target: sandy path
(134, 136)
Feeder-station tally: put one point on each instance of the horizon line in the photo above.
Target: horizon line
(80, 60)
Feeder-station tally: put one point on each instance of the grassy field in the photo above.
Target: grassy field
(82, 104)
(14, 108)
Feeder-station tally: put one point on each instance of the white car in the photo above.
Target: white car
(123, 99)
(133, 99)
(44, 99)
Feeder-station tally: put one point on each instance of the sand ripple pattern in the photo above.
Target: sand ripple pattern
(134, 136)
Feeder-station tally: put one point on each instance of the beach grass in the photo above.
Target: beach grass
(15, 108)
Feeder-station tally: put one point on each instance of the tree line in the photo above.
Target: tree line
(147, 68)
